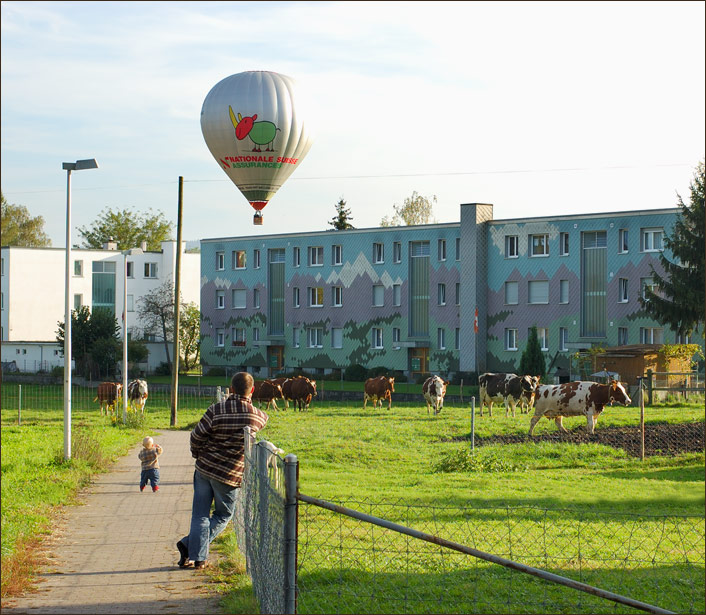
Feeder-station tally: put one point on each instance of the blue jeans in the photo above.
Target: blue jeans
(204, 526)
(151, 476)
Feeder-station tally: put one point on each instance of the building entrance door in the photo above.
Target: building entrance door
(275, 359)
(419, 360)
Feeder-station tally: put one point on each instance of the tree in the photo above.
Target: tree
(417, 209)
(128, 229)
(532, 362)
(678, 298)
(18, 228)
(190, 335)
(156, 311)
(341, 221)
(95, 344)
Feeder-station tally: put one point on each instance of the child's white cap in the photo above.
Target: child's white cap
(147, 442)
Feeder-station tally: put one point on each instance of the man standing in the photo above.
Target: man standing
(218, 444)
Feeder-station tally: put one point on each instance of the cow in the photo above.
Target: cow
(379, 388)
(527, 403)
(301, 391)
(267, 391)
(108, 394)
(505, 388)
(576, 399)
(434, 389)
(137, 394)
(286, 384)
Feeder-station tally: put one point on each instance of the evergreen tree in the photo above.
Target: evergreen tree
(532, 362)
(341, 221)
(678, 298)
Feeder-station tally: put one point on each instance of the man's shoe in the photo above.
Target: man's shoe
(184, 552)
(155, 488)
(198, 565)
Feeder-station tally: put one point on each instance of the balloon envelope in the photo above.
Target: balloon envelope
(254, 125)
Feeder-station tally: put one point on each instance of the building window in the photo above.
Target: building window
(623, 241)
(457, 298)
(316, 256)
(651, 239)
(295, 297)
(256, 259)
(221, 299)
(396, 332)
(397, 252)
(220, 338)
(78, 269)
(378, 295)
(563, 244)
(378, 253)
(646, 283)
(151, 270)
(130, 269)
(377, 337)
(295, 337)
(239, 298)
(539, 245)
(563, 339)
(511, 293)
(256, 297)
(296, 257)
(336, 337)
(563, 291)
(238, 336)
(316, 296)
(622, 290)
(457, 339)
(512, 246)
(622, 336)
(441, 250)
(441, 339)
(256, 334)
(239, 259)
(220, 261)
(337, 255)
(510, 339)
(2, 266)
(337, 296)
(78, 301)
(651, 335)
(314, 337)
(397, 294)
(542, 335)
(130, 303)
(538, 291)
(458, 248)
(441, 294)
(679, 338)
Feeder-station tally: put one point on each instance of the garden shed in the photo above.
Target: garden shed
(633, 361)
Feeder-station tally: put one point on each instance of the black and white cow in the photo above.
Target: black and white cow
(508, 389)
(137, 394)
(434, 390)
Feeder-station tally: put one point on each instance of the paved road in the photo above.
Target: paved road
(116, 553)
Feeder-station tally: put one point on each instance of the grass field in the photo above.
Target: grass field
(348, 454)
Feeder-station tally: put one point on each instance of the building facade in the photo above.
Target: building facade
(32, 291)
(444, 298)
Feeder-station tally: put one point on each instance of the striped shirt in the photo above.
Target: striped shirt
(148, 457)
(218, 443)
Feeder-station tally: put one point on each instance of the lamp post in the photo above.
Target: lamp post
(79, 165)
(125, 253)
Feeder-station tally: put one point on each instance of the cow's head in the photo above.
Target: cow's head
(392, 383)
(313, 387)
(618, 393)
(529, 384)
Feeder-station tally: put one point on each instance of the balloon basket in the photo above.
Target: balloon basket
(257, 218)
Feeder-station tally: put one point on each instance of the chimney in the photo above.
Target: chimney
(110, 244)
(143, 246)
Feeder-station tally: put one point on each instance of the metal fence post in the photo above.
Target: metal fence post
(473, 423)
(642, 420)
(19, 407)
(649, 386)
(291, 521)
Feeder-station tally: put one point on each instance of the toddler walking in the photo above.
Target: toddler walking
(150, 463)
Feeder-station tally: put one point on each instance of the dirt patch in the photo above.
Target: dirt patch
(660, 438)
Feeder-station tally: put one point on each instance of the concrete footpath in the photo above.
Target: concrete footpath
(116, 552)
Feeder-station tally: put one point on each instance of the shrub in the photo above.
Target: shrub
(356, 373)
(380, 370)
(216, 371)
(464, 460)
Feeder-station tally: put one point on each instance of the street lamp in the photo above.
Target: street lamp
(79, 165)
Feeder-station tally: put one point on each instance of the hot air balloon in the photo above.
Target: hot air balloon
(254, 125)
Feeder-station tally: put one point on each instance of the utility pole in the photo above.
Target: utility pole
(177, 307)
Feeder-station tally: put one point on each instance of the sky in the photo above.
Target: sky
(541, 109)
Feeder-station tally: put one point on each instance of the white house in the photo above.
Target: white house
(32, 294)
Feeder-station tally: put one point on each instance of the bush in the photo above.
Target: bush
(380, 370)
(463, 460)
(356, 373)
(216, 371)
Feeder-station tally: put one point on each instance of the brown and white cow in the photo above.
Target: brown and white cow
(576, 399)
(434, 389)
(301, 391)
(507, 389)
(137, 394)
(379, 388)
(267, 391)
(286, 384)
(108, 394)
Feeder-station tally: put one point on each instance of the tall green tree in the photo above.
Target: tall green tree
(677, 298)
(417, 209)
(190, 335)
(19, 228)
(128, 229)
(341, 221)
(532, 362)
